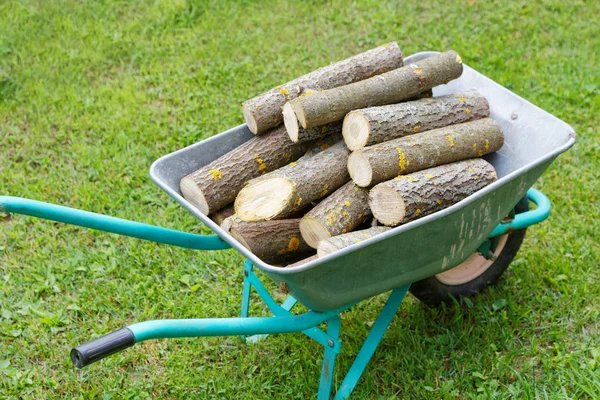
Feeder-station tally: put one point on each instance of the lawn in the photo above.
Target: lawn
(92, 92)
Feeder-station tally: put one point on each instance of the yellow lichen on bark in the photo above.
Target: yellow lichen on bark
(402, 161)
(293, 244)
(216, 174)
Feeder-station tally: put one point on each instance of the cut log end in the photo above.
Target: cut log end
(356, 130)
(387, 205)
(250, 120)
(264, 199)
(325, 248)
(192, 193)
(296, 106)
(360, 169)
(313, 231)
(238, 236)
(291, 122)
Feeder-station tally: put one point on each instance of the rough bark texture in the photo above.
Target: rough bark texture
(335, 243)
(381, 124)
(271, 240)
(264, 111)
(318, 132)
(219, 216)
(294, 186)
(215, 185)
(302, 262)
(299, 134)
(342, 212)
(387, 160)
(228, 222)
(409, 197)
(321, 144)
(391, 87)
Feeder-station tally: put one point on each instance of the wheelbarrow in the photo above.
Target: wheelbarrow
(454, 252)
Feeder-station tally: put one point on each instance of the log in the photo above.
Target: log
(302, 262)
(335, 243)
(298, 134)
(218, 217)
(387, 160)
(342, 212)
(409, 197)
(263, 112)
(394, 86)
(291, 188)
(322, 144)
(228, 222)
(271, 240)
(374, 125)
(215, 185)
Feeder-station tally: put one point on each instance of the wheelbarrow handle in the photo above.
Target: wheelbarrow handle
(104, 346)
(527, 218)
(53, 212)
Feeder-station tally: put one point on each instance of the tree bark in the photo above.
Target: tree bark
(387, 160)
(215, 185)
(321, 144)
(264, 111)
(391, 87)
(288, 189)
(342, 212)
(228, 222)
(271, 240)
(374, 125)
(302, 262)
(335, 243)
(221, 215)
(299, 134)
(409, 197)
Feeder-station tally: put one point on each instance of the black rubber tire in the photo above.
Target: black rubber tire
(433, 292)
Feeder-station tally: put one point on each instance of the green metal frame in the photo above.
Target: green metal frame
(282, 321)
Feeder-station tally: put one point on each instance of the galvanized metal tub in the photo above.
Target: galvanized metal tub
(419, 249)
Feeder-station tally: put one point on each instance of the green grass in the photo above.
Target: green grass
(92, 92)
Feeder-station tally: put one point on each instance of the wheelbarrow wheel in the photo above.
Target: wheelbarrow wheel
(475, 273)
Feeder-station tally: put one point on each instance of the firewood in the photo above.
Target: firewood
(342, 212)
(271, 240)
(401, 84)
(228, 222)
(263, 112)
(409, 197)
(374, 125)
(215, 185)
(387, 160)
(221, 215)
(335, 243)
(302, 262)
(303, 135)
(288, 189)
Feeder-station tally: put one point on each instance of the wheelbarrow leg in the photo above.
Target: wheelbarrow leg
(333, 330)
(368, 349)
(251, 281)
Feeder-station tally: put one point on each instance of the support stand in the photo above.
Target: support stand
(330, 339)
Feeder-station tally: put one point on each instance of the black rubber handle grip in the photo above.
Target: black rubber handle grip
(102, 347)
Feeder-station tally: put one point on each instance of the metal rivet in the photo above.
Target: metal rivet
(245, 273)
(330, 343)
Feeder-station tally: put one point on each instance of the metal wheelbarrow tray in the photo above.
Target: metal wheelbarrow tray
(419, 249)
